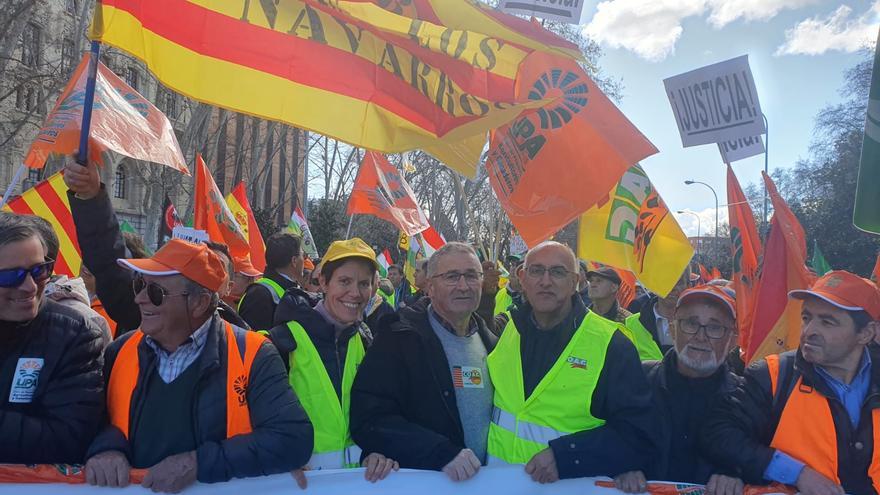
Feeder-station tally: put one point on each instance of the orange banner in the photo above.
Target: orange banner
(213, 215)
(48, 200)
(244, 215)
(776, 325)
(380, 190)
(122, 121)
(747, 252)
(552, 164)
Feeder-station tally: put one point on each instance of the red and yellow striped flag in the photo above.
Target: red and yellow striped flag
(244, 215)
(347, 69)
(48, 200)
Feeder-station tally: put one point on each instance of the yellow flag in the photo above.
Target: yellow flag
(634, 230)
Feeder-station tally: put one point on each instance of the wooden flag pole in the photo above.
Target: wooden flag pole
(82, 156)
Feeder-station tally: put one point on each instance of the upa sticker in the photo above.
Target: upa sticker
(25, 380)
(467, 377)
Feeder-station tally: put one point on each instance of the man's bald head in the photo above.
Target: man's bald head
(552, 246)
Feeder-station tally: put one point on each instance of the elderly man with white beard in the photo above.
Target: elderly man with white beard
(686, 384)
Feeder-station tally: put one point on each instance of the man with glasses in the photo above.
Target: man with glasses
(422, 395)
(570, 396)
(690, 380)
(50, 358)
(190, 396)
(650, 326)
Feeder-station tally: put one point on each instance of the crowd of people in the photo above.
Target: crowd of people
(193, 365)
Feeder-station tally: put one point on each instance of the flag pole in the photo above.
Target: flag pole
(350, 220)
(82, 155)
(15, 180)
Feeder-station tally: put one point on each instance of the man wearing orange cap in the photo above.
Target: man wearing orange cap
(190, 396)
(811, 417)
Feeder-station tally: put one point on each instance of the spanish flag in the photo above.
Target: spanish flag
(633, 230)
(213, 215)
(48, 200)
(347, 69)
(241, 210)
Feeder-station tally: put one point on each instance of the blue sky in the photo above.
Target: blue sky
(798, 51)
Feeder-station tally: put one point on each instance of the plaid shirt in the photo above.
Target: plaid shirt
(172, 364)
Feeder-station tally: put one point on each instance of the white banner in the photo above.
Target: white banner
(189, 234)
(742, 148)
(716, 103)
(568, 11)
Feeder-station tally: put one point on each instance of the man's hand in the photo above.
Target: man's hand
(724, 485)
(810, 482)
(631, 482)
(378, 467)
(463, 467)
(491, 275)
(542, 467)
(109, 468)
(300, 476)
(83, 181)
(172, 474)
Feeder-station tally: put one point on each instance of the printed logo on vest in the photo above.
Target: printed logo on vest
(577, 362)
(467, 377)
(240, 388)
(25, 380)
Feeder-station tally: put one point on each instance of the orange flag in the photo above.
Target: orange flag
(48, 200)
(244, 216)
(776, 326)
(122, 121)
(554, 163)
(627, 291)
(705, 276)
(381, 191)
(213, 215)
(746, 246)
(716, 273)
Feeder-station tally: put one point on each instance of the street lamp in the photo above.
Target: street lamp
(689, 182)
(681, 212)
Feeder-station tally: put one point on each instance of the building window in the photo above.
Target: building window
(169, 103)
(131, 78)
(119, 183)
(34, 176)
(67, 56)
(30, 45)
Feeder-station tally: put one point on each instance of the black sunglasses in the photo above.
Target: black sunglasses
(14, 277)
(155, 292)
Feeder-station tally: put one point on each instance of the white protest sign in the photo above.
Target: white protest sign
(739, 149)
(189, 234)
(716, 103)
(568, 11)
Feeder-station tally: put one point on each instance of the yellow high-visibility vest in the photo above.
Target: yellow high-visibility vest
(641, 337)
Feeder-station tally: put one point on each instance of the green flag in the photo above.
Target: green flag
(126, 227)
(866, 215)
(818, 263)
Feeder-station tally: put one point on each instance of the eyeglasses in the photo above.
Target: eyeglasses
(14, 277)
(712, 330)
(155, 292)
(471, 277)
(556, 272)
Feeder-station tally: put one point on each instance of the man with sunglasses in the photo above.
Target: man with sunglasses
(190, 396)
(50, 358)
(690, 380)
(570, 396)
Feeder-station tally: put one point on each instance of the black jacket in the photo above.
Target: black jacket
(65, 411)
(258, 304)
(282, 437)
(671, 393)
(628, 439)
(739, 432)
(403, 401)
(297, 305)
(101, 243)
(384, 309)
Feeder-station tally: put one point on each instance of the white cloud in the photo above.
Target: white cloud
(651, 28)
(839, 31)
(688, 221)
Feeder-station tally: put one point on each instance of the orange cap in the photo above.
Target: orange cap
(846, 291)
(308, 264)
(243, 265)
(177, 257)
(723, 294)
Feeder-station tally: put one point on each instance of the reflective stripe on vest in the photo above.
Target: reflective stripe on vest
(641, 337)
(559, 405)
(276, 290)
(350, 457)
(126, 370)
(814, 442)
(310, 381)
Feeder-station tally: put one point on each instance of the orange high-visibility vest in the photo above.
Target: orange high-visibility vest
(126, 368)
(806, 429)
(98, 307)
